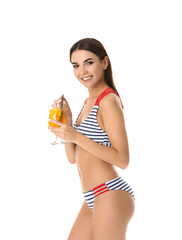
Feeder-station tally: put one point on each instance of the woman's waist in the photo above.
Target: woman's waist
(88, 183)
(92, 170)
(94, 174)
(91, 166)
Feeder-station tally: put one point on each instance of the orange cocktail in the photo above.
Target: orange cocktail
(55, 113)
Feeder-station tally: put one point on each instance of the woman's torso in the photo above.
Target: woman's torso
(92, 170)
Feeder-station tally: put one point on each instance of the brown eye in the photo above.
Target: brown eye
(75, 66)
(89, 63)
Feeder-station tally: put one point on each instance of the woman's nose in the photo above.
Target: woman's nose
(83, 70)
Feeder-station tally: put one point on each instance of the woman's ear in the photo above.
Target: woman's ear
(106, 62)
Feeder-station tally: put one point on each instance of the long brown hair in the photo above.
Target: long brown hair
(96, 47)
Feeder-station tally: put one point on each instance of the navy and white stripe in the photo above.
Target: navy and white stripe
(120, 184)
(114, 184)
(89, 198)
(91, 129)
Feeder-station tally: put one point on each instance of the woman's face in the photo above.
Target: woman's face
(88, 68)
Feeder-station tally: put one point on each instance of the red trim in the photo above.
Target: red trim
(103, 184)
(86, 101)
(104, 93)
(100, 189)
(102, 192)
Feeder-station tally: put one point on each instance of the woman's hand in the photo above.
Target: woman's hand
(65, 132)
(66, 110)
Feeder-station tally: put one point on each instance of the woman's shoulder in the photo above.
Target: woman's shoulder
(110, 100)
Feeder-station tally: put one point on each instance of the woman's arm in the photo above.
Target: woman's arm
(70, 152)
(113, 120)
(70, 147)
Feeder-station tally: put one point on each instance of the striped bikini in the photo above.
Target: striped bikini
(114, 184)
(91, 129)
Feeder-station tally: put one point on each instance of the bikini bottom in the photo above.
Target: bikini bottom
(114, 184)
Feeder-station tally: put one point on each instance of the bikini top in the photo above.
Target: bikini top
(90, 127)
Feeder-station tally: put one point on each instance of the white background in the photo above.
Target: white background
(40, 192)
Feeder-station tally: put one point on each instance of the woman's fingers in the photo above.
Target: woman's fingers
(64, 100)
(66, 108)
(58, 101)
(56, 122)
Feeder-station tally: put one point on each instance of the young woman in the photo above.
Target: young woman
(97, 142)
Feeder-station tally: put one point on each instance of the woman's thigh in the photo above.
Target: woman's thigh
(82, 228)
(112, 213)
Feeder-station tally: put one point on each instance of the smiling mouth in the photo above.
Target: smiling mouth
(87, 78)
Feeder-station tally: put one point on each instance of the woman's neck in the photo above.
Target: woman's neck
(95, 92)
